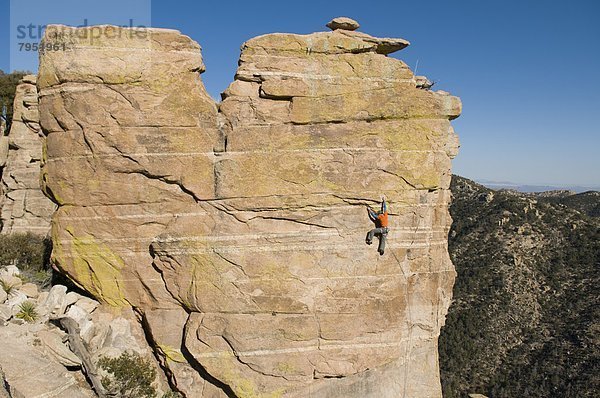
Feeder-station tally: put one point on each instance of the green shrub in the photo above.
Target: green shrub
(27, 311)
(29, 252)
(42, 278)
(6, 286)
(26, 251)
(131, 376)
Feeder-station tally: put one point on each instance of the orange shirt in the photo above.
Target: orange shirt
(383, 220)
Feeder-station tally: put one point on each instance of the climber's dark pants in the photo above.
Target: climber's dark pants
(382, 233)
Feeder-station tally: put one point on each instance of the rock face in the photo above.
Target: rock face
(237, 231)
(28, 372)
(24, 206)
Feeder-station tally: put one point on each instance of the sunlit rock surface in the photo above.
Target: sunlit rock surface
(23, 206)
(237, 230)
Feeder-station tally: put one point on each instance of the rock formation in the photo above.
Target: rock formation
(24, 208)
(236, 230)
(37, 361)
(344, 23)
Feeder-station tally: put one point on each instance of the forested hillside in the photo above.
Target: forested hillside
(525, 321)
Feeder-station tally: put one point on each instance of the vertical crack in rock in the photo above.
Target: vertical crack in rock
(237, 230)
(202, 370)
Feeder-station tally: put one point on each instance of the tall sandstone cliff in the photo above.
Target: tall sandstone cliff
(23, 206)
(237, 230)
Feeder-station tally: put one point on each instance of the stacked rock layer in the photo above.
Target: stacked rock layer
(237, 230)
(24, 208)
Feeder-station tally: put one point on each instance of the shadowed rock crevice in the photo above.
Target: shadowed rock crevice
(227, 391)
(163, 360)
(237, 230)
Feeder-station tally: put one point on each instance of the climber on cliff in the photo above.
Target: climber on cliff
(381, 226)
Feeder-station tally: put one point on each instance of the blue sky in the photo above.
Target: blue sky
(526, 71)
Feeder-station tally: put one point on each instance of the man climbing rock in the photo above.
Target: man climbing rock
(381, 226)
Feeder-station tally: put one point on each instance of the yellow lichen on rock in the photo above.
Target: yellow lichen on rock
(98, 270)
(237, 230)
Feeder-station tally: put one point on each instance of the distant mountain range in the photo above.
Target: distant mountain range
(525, 317)
(535, 187)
